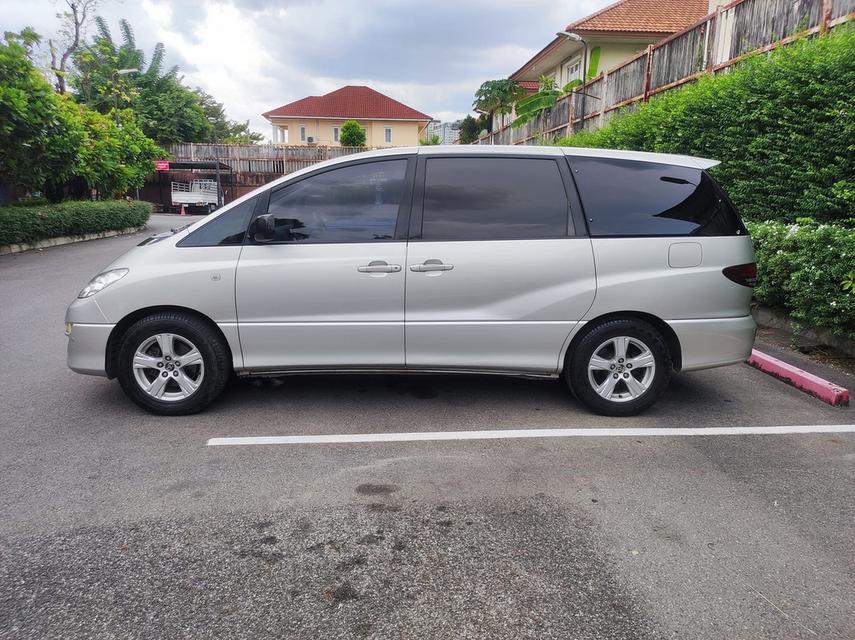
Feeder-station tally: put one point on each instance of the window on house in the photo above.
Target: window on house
(387, 135)
(302, 134)
(572, 71)
(335, 134)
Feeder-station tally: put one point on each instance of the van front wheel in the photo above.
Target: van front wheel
(172, 363)
(619, 367)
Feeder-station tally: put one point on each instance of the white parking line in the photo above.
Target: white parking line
(615, 432)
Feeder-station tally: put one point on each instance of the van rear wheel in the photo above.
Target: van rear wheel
(619, 367)
(173, 363)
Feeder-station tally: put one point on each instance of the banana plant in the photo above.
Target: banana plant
(548, 93)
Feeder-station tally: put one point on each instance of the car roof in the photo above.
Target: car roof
(534, 150)
(517, 150)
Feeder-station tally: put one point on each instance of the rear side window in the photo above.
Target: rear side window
(493, 199)
(226, 229)
(629, 198)
(357, 203)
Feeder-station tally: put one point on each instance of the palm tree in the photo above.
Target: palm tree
(97, 61)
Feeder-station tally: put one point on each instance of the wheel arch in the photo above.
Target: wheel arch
(668, 334)
(112, 352)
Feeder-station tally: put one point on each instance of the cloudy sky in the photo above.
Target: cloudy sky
(254, 55)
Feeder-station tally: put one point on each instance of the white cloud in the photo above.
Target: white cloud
(254, 55)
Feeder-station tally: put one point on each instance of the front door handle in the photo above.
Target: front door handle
(431, 265)
(379, 266)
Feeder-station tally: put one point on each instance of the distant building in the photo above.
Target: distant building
(318, 119)
(447, 131)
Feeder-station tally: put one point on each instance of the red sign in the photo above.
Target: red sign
(161, 165)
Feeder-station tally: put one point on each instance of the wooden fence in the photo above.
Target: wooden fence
(273, 159)
(716, 42)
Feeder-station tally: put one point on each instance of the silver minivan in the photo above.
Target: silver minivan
(610, 269)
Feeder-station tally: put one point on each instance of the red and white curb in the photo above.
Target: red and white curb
(799, 378)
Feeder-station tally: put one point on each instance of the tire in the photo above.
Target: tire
(189, 386)
(623, 390)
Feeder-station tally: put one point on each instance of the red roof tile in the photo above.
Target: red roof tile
(349, 102)
(643, 16)
(530, 86)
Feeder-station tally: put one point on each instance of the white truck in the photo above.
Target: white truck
(200, 194)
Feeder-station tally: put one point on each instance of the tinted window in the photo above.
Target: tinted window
(358, 203)
(626, 198)
(493, 199)
(226, 229)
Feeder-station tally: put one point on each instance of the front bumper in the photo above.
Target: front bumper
(714, 342)
(87, 348)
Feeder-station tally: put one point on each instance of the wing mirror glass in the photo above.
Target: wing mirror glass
(264, 228)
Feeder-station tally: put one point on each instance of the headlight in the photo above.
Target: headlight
(102, 281)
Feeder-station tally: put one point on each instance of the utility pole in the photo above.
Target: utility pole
(217, 163)
(115, 76)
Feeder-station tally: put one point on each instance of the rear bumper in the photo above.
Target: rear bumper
(714, 342)
(87, 348)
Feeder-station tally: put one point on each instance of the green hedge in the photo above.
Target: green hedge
(802, 268)
(26, 224)
(782, 124)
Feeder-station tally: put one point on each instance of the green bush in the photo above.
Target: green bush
(782, 124)
(30, 223)
(352, 134)
(802, 268)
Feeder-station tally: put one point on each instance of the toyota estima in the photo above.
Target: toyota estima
(611, 269)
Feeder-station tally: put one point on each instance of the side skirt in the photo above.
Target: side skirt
(246, 373)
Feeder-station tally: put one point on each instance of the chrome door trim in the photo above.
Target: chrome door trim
(432, 264)
(379, 266)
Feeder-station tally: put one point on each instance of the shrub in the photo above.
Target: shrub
(51, 143)
(28, 224)
(782, 125)
(802, 268)
(351, 134)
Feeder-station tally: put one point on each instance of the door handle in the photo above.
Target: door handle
(379, 266)
(431, 265)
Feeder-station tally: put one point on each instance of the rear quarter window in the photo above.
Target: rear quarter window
(630, 198)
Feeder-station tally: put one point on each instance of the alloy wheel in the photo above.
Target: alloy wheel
(168, 367)
(621, 369)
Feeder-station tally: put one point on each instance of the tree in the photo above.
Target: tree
(497, 96)
(352, 134)
(471, 128)
(70, 36)
(167, 111)
(34, 139)
(432, 140)
(222, 129)
(50, 143)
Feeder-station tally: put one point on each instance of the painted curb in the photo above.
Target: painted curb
(799, 378)
(61, 240)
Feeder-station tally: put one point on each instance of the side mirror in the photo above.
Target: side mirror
(264, 228)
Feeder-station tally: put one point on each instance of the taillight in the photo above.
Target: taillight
(744, 274)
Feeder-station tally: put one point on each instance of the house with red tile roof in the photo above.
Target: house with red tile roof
(318, 119)
(614, 33)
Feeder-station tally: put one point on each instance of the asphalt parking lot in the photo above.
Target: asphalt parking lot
(118, 524)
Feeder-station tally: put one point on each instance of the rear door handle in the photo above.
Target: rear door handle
(431, 265)
(379, 266)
